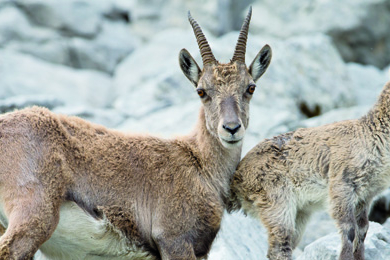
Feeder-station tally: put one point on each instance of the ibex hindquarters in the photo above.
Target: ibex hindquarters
(341, 166)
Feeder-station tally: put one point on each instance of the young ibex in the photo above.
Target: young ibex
(94, 193)
(284, 179)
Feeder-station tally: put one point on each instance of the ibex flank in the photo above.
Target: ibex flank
(76, 190)
(342, 165)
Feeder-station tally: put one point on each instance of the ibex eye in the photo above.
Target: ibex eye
(251, 89)
(201, 93)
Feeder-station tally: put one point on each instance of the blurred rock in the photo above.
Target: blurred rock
(151, 79)
(22, 74)
(380, 209)
(332, 116)
(101, 51)
(153, 16)
(15, 27)
(359, 28)
(166, 122)
(377, 245)
(301, 78)
(112, 44)
(367, 82)
(108, 117)
(232, 243)
(22, 101)
(70, 17)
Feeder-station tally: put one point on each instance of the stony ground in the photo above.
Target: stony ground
(115, 63)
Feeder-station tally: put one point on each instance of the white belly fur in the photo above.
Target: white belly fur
(80, 236)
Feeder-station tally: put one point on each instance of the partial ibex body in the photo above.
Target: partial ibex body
(87, 192)
(343, 165)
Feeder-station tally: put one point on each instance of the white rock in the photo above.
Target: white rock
(114, 42)
(377, 245)
(15, 27)
(151, 78)
(358, 27)
(367, 81)
(74, 17)
(108, 117)
(240, 237)
(22, 101)
(175, 120)
(22, 74)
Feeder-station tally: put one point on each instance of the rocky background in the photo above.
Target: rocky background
(116, 63)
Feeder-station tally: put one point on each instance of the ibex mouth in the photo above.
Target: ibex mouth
(231, 143)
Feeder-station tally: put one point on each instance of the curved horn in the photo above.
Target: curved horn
(205, 50)
(239, 52)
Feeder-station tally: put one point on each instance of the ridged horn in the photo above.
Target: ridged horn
(204, 47)
(239, 52)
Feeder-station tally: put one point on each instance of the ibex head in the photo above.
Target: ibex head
(225, 89)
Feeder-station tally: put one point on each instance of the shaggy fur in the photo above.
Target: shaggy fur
(88, 192)
(284, 179)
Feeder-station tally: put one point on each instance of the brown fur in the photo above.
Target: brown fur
(284, 179)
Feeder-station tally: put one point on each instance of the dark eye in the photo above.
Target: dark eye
(251, 89)
(201, 93)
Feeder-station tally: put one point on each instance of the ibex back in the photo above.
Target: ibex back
(76, 190)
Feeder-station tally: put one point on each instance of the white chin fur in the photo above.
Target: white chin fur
(230, 144)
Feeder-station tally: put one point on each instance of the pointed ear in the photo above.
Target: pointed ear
(189, 67)
(260, 63)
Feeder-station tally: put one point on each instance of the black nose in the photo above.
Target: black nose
(231, 130)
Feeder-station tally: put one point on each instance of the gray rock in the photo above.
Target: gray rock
(240, 237)
(377, 245)
(175, 120)
(70, 17)
(108, 117)
(150, 78)
(301, 78)
(112, 44)
(22, 101)
(22, 74)
(358, 27)
(103, 51)
(367, 82)
(15, 27)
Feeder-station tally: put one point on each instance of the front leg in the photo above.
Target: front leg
(177, 248)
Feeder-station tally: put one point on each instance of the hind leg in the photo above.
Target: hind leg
(361, 212)
(32, 218)
(343, 201)
(279, 219)
(301, 220)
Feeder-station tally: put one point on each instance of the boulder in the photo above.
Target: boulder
(107, 117)
(70, 17)
(22, 101)
(240, 237)
(114, 42)
(150, 78)
(22, 74)
(358, 27)
(377, 245)
(102, 52)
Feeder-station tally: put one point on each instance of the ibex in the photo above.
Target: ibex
(342, 165)
(76, 190)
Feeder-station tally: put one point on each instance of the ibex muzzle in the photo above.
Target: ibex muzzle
(230, 130)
